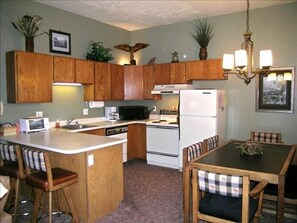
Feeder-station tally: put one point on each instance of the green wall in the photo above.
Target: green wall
(274, 28)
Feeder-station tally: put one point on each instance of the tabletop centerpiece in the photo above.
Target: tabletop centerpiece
(250, 148)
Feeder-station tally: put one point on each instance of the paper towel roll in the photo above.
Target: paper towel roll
(96, 104)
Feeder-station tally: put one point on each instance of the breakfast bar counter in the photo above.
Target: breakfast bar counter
(98, 160)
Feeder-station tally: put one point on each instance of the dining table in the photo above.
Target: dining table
(271, 166)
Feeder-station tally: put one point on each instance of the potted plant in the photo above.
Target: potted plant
(174, 57)
(98, 52)
(28, 25)
(203, 33)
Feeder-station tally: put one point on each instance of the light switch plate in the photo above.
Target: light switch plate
(90, 160)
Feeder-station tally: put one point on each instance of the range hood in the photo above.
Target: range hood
(171, 88)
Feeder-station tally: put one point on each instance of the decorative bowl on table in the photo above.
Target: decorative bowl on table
(250, 148)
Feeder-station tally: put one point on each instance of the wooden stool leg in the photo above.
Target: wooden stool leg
(10, 194)
(75, 218)
(36, 205)
(16, 200)
(50, 207)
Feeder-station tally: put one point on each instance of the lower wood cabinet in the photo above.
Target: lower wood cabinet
(136, 148)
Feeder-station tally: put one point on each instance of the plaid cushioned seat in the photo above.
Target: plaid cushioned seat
(223, 196)
(266, 137)
(7, 152)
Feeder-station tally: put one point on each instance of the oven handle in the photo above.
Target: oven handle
(164, 154)
(161, 127)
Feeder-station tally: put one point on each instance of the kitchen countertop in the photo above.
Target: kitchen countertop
(70, 141)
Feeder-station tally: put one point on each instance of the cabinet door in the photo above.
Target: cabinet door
(149, 83)
(84, 71)
(117, 82)
(133, 82)
(29, 77)
(136, 145)
(205, 70)
(162, 73)
(64, 69)
(102, 81)
(178, 73)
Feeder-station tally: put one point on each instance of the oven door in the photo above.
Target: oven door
(162, 146)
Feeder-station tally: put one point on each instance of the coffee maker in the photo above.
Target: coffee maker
(111, 113)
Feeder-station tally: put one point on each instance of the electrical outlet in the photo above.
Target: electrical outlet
(90, 160)
(1, 108)
(154, 109)
(39, 114)
(85, 111)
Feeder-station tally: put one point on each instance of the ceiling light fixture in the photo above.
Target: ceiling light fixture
(244, 60)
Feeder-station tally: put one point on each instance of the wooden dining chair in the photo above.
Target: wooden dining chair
(225, 198)
(189, 153)
(210, 143)
(41, 176)
(268, 137)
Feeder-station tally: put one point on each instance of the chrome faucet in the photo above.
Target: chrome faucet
(69, 121)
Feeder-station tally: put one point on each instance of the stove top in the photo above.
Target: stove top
(167, 118)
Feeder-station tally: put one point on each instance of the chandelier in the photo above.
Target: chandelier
(244, 59)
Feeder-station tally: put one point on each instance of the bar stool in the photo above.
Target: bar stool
(11, 165)
(41, 176)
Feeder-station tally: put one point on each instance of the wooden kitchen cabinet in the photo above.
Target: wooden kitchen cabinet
(205, 70)
(133, 82)
(162, 73)
(84, 71)
(64, 69)
(149, 83)
(117, 82)
(178, 73)
(29, 77)
(136, 146)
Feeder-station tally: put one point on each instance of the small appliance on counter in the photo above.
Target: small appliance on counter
(28, 125)
(111, 113)
(136, 112)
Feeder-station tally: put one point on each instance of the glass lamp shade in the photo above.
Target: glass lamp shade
(265, 58)
(228, 61)
(240, 59)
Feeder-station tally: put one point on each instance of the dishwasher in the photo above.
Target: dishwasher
(119, 132)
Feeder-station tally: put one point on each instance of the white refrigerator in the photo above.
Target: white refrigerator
(202, 114)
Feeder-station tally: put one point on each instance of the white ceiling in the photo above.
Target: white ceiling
(134, 15)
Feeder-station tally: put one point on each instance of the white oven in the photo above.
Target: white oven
(162, 145)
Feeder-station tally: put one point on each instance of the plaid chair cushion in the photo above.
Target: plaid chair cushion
(34, 159)
(211, 143)
(221, 184)
(266, 137)
(7, 152)
(194, 150)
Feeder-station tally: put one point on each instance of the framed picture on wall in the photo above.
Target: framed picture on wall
(60, 42)
(275, 92)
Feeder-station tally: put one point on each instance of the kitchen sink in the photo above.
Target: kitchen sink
(76, 126)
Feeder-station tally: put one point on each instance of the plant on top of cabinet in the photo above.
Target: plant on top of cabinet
(203, 33)
(98, 52)
(28, 25)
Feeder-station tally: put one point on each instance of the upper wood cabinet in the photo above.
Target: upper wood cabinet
(84, 71)
(133, 81)
(29, 77)
(149, 83)
(178, 73)
(64, 69)
(162, 73)
(69, 70)
(205, 70)
(117, 82)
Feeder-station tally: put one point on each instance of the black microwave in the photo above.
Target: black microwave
(136, 112)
